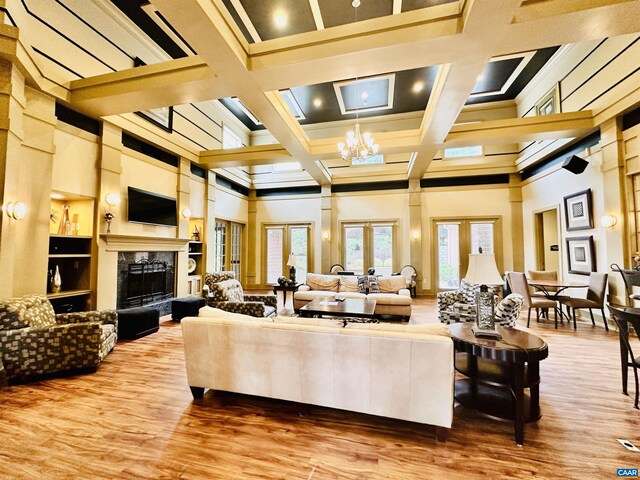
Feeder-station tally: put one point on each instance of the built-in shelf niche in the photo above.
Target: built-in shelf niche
(71, 252)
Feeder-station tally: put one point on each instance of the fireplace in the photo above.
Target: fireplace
(145, 278)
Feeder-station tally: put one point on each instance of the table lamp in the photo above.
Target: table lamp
(292, 263)
(483, 271)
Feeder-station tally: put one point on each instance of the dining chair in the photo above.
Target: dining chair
(335, 268)
(631, 278)
(543, 275)
(622, 320)
(595, 298)
(518, 284)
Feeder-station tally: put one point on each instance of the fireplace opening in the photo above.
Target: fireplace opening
(145, 278)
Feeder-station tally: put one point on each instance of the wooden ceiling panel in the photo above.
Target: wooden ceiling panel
(297, 14)
(340, 12)
(408, 5)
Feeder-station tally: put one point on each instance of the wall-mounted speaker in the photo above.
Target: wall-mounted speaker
(575, 164)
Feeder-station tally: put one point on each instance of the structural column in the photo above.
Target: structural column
(613, 191)
(415, 229)
(109, 172)
(517, 224)
(326, 235)
(184, 202)
(252, 242)
(209, 220)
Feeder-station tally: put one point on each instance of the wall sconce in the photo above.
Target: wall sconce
(415, 235)
(15, 210)
(186, 212)
(608, 221)
(325, 235)
(112, 199)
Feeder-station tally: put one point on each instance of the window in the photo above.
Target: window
(368, 245)
(461, 152)
(287, 167)
(456, 239)
(280, 241)
(230, 139)
(227, 247)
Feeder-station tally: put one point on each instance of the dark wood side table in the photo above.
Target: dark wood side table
(498, 372)
(284, 289)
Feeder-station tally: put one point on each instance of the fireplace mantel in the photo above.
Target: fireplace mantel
(136, 243)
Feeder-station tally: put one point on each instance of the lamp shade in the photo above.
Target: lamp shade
(292, 262)
(482, 270)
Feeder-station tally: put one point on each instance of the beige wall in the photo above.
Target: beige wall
(456, 202)
(551, 236)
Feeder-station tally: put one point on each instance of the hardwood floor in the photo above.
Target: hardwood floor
(135, 418)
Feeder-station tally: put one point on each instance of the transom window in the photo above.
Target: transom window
(461, 152)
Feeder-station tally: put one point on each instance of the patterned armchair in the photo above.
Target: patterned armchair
(228, 295)
(460, 305)
(36, 341)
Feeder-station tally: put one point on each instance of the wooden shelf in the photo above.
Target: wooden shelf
(70, 255)
(195, 253)
(71, 236)
(194, 241)
(70, 293)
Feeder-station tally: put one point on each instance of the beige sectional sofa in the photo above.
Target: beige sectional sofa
(397, 371)
(394, 298)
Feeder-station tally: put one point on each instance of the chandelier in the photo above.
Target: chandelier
(357, 148)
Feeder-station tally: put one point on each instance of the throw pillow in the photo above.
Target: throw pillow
(368, 284)
(38, 312)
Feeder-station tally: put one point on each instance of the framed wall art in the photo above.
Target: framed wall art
(161, 117)
(578, 211)
(581, 255)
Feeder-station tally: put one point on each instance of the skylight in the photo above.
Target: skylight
(461, 152)
(372, 160)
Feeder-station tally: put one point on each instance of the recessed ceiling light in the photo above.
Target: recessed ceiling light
(418, 86)
(280, 19)
(317, 102)
(364, 95)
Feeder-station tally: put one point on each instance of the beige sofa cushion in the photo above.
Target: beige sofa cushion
(391, 283)
(348, 283)
(427, 328)
(323, 282)
(389, 299)
(313, 294)
(320, 322)
(210, 312)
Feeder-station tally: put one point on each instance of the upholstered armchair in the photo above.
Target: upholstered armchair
(36, 341)
(460, 305)
(228, 295)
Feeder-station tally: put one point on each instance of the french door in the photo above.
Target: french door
(369, 245)
(227, 247)
(455, 239)
(283, 243)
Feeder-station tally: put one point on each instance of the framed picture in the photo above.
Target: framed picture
(577, 209)
(581, 255)
(161, 117)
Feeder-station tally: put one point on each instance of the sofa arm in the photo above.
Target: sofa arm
(3, 375)
(99, 316)
(304, 288)
(404, 292)
(447, 299)
(50, 350)
(253, 309)
(266, 298)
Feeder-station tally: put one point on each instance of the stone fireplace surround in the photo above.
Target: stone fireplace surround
(114, 249)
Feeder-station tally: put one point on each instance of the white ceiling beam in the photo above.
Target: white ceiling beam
(317, 14)
(204, 27)
(397, 6)
(244, 157)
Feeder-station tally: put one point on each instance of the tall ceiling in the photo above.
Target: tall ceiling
(299, 58)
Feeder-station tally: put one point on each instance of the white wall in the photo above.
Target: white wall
(547, 191)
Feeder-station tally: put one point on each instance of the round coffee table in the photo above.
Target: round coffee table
(498, 372)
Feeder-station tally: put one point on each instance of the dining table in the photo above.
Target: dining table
(626, 316)
(552, 290)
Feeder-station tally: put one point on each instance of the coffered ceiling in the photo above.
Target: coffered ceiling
(276, 56)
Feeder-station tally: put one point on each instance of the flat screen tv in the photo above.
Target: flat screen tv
(148, 207)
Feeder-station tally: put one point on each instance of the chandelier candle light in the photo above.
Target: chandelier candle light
(357, 147)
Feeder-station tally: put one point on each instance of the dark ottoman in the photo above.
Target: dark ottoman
(137, 322)
(186, 307)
